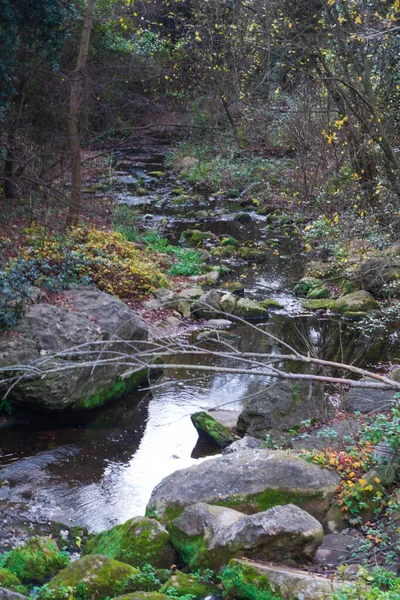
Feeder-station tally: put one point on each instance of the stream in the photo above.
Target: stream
(98, 469)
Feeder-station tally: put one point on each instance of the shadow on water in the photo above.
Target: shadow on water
(99, 469)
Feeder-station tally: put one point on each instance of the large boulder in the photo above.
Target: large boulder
(6, 594)
(246, 580)
(250, 481)
(209, 536)
(378, 274)
(250, 309)
(138, 542)
(89, 321)
(281, 407)
(360, 301)
(207, 306)
(101, 576)
(37, 560)
(367, 400)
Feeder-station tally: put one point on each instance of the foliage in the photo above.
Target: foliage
(188, 262)
(241, 582)
(378, 585)
(384, 428)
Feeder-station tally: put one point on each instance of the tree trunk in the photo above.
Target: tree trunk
(77, 78)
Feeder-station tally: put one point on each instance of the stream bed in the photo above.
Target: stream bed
(97, 470)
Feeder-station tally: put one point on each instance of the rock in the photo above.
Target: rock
(228, 303)
(207, 306)
(386, 474)
(245, 580)
(319, 269)
(137, 542)
(249, 309)
(211, 278)
(37, 560)
(190, 294)
(235, 287)
(243, 217)
(194, 237)
(354, 316)
(354, 302)
(318, 293)
(256, 255)
(184, 308)
(6, 594)
(102, 577)
(166, 297)
(366, 400)
(246, 443)
(251, 481)
(378, 273)
(219, 323)
(335, 549)
(332, 435)
(383, 453)
(188, 585)
(335, 520)
(225, 251)
(209, 536)
(11, 582)
(230, 241)
(322, 304)
(209, 429)
(35, 294)
(90, 316)
(269, 303)
(305, 285)
(226, 417)
(281, 407)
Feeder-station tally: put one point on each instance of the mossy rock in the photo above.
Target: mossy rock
(230, 241)
(102, 577)
(318, 293)
(269, 303)
(235, 287)
(359, 301)
(11, 582)
(242, 582)
(249, 309)
(305, 285)
(195, 237)
(252, 254)
(243, 217)
(319, 269)
(210, 429)
(183, 585)
(37, 560)
(143, 596)
(322, 304)
(225, 251)
(137, 542)
(234, 193)
(351, 315)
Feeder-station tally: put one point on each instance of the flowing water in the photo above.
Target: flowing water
(99, 469)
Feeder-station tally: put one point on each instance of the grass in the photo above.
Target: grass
(188, 261)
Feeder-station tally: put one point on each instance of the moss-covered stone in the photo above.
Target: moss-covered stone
(249, 309)
(195, 237)
(269, 303)
(235, 287)
(211, 429)
(183, 584)
(319, 292)
(305, 285)
(225, 251)
(351, 315)
(252, 254)
(137, 542)
(230, 241)
(113, 391)
(354, 302)
(241, 582)
(101, 576)
(37, 560)
(322, 304)
(11, 582)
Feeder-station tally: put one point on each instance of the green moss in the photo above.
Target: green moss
(305, 285)
(318, 293)
(268, 303)
(11, 582)
(241, 582)
(252, 254)
(37, 560)
(321, 304)
(192, 550)
(230, 241)
(113, 391)
(138, 542)
(183, 585)
(143, 596)
(211, 429)
(254, 503)
(102, 576)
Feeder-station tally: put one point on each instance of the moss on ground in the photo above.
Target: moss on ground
(240, 582)
(181, 584)
(11, 582)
